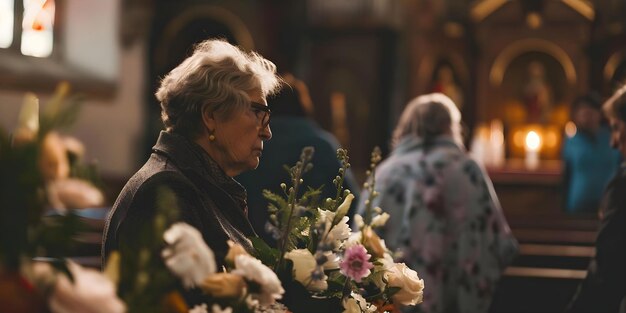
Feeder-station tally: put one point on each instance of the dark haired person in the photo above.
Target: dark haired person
(589, 162)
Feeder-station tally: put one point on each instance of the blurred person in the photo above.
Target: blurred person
(294, 129)
(589, 161)
(445, 218)
(214, 109)
(604, 288)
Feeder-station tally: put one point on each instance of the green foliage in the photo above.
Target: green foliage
(24, 230)
(144, 281)
(266, 254)
(296, 215)
(370, 184)
(21, 198)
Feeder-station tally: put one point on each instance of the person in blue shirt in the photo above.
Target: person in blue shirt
(589, 161)
(604, 287)
(293, 128)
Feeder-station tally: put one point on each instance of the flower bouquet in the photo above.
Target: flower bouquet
(172, 270)
(41, 172)
(323, 264)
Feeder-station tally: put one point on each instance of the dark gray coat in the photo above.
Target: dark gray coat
(604, 288)
(208, 199)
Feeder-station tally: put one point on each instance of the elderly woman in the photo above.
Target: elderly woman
(446, 220)
(216, 118)
(604, 288)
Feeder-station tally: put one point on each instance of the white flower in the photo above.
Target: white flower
(332, 261)
(73, 193)
(354, 239)
(411, 286)
(200, 308)
(217, 309)
(380, 220)
(357, 304)
(342, 210)
(252, 269)
(336, 235)
(358, 221)
(303, 265)
(187, 255)
(339, 233)
(91, 292)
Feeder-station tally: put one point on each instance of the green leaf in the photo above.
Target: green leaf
(266, 254)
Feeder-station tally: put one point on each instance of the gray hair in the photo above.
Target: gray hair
(615, 106)
(216, 78)
(427, 117)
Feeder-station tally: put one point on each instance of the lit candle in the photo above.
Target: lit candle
(533, 142)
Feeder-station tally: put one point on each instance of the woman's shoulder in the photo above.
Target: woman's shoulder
(150, 181)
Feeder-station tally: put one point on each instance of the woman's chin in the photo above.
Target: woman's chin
(254, 163)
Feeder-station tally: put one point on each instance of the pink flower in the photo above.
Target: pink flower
(355, 263)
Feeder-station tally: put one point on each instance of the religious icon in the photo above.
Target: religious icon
(445, 83)
(538, 95)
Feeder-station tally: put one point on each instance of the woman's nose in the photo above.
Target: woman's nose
(266, 133)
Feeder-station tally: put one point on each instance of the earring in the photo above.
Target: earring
(211, 137)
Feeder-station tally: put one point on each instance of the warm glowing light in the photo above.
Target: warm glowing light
(534, 20)
(533, 141)
(38, 27)
(518, 138)
(6, 23)
(570, 129)
(551, 139)
(497, 135)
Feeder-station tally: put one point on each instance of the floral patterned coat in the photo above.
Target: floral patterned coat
(446, 222)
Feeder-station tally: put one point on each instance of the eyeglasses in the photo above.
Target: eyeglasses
(263, 113)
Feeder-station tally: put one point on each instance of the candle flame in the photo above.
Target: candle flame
(533, 140)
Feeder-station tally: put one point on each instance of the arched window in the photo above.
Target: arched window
(34, 35)
(43, 42)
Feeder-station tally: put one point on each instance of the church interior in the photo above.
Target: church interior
(513, 68)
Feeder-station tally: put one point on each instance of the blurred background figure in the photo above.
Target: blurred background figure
(446, 220)
(589, 162)
(293, 129)
(604, 288)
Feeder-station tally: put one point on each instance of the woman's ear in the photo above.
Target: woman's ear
(208, 119)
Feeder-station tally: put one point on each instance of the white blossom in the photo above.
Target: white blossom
(200, 308)
(411, 286)
(91, 292)
(336, 235)
(380, 220)
(342, 210)
(358, 221)
(187, 255)
(252, 269)
(217, 309)
(332, 261)
(73, 193)
(303, 265)
(357, 304)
